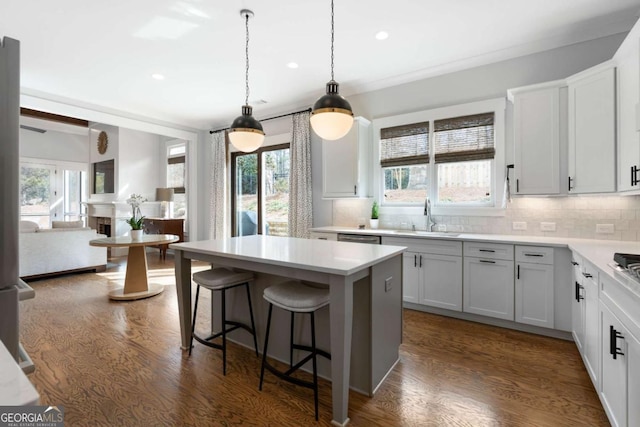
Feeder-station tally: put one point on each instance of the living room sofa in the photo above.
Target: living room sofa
(61, 249)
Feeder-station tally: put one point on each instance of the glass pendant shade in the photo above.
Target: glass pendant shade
(246, 133)
(331, 117)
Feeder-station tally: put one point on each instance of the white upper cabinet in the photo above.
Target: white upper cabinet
(592, 130)
(627, 62)
(346, 163)
(536, 127)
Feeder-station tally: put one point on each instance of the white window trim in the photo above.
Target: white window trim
(496, 105)
(56, 210)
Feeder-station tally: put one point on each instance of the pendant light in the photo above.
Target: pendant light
(331, 117)
(246, 133)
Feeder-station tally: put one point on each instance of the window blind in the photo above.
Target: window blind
(176, 173)
(404, 145)
(466, 138)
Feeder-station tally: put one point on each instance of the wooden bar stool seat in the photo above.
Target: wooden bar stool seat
(221, 280)
(296, 297)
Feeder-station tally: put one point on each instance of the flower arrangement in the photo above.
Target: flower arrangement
(135, 200)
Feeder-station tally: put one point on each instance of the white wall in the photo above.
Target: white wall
(53, 145)
(480, 83)
(139, 170)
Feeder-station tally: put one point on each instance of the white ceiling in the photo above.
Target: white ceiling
(103, 53)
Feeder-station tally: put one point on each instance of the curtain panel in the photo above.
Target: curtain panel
(218, 196)
(300, 195)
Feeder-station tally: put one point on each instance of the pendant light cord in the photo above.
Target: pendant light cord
(246, 98)
(332, 36)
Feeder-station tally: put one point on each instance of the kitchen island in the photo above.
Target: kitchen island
(365, 312)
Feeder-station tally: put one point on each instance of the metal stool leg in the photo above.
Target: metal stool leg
(224, 332)
(315, 368)
(253, 325)
(291, 341)
(193, 324)
(266, 344)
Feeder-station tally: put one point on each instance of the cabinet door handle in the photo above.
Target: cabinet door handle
(574, 263)
(569, 187)
(614, 350)
(517, 185)
(415, 260)
(518, 273)
(420, 261)
(355, 190)
(486, 250)
(634, 175)
(578, 295)
(587, 275)
(538, 255)
(486, 261)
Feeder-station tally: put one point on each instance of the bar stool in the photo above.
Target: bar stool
(222, 279)
(296, 297)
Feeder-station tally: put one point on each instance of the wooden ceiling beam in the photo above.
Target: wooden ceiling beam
(27, 112)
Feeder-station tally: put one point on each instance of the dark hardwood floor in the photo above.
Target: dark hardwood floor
(119, 364)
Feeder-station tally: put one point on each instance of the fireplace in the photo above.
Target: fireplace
(103, 225)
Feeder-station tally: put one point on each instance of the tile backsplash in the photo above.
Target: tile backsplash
(580, 217)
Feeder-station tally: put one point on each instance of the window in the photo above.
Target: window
(176, 178)
(404, 156)
(447, 154)
(50, 192)
(261, 191)
(464, 152)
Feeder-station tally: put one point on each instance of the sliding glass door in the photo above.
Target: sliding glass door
(261, 191)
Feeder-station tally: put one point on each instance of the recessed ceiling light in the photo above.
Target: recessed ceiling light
(292, 65)
(382, 35)
(157, 76)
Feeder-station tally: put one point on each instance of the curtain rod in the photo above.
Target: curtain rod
(270, 118)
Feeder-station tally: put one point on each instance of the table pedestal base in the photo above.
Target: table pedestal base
(120, 295)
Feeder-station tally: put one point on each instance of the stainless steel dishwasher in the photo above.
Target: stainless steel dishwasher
(359, 238)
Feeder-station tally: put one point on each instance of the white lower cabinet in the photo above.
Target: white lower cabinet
(488, 287)
(577, 302)
(615, 338)
(534, 286)
(323, 236)
(411, 277)
(591, 353)
(442, 281)
(432, 272)
(620, 353)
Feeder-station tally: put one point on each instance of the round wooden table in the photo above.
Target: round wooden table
(136, 283)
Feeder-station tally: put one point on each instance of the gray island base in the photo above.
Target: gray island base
(361, 327)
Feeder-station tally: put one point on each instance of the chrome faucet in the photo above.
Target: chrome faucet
(427, 213)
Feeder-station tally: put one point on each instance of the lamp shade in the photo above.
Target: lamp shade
(164, 194)
(331, 117)
(246, 133)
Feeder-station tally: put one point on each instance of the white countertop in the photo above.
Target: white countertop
(598, 252)
(15, 387)
(342, 258)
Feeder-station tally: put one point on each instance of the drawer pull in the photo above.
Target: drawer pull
(486, 261)
(486, 250)
(538, 255)
(578, 295)
(574, 263)
(614, 350)
(587, 275)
